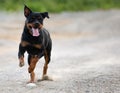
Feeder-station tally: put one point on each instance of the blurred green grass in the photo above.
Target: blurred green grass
(59, 5)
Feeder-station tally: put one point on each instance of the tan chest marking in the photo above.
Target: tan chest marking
(24, 44)
(37, 46)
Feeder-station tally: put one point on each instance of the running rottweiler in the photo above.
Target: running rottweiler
(36, 41)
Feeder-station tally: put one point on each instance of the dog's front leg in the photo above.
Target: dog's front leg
(21, 55)
(33, 60)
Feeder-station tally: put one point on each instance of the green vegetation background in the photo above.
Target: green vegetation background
(59, 5)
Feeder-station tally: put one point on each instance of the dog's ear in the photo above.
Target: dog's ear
(45, 14)
(27, 11)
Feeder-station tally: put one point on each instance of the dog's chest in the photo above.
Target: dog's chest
(33, 49)
(27, 44)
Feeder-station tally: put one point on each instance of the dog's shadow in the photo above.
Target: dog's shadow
(45, 78)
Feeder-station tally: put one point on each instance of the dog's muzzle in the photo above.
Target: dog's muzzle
(36, 25)
(35, 29)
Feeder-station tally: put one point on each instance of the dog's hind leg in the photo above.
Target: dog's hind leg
(47, 60)
(32, 60)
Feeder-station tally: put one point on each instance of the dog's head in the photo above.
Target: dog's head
(34, 21)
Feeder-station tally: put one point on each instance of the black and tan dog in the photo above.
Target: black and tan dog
(36, 41)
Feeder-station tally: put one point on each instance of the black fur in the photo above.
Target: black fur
(44, 40)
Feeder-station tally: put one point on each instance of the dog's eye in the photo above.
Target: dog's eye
(33, 17)
(39, 18)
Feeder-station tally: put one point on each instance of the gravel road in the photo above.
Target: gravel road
(85, 55)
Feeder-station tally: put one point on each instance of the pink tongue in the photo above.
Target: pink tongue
(35, 32)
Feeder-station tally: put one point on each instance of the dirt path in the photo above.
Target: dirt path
(85, 55)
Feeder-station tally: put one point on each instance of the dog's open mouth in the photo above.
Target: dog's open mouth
(35, 32)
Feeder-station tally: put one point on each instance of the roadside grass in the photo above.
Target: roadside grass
(59, 5)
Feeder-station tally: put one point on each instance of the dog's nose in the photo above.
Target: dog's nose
(36, 25)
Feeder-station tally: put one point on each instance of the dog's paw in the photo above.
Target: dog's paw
(31, 85)
(21, 64)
